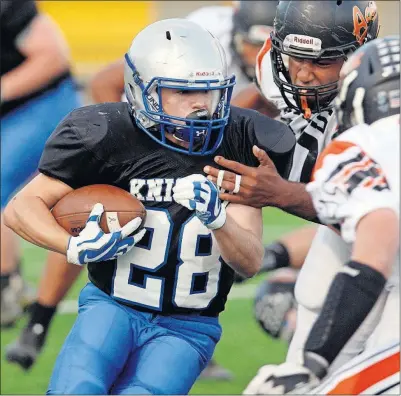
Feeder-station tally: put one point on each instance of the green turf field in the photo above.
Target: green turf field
(243, 347)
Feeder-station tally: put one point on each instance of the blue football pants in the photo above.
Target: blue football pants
(115, 349)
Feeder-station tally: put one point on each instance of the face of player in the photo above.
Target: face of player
(310, 73)
(179, 103)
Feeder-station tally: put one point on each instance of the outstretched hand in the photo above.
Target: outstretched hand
(257, 187)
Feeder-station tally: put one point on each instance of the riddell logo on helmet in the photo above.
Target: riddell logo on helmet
(204, 73)
(300, 42)
(303, 40)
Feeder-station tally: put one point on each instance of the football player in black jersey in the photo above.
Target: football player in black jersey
(152, 304)
(243, 33)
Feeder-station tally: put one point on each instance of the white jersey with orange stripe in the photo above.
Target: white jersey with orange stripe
(329, 251)
(358, 173)
(218, 20)
(379, 141)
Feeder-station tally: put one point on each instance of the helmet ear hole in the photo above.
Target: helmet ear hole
(168, 35)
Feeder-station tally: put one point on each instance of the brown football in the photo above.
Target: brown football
(72, 211)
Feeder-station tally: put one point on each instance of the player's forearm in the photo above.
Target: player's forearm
(377, 240)
(33, 74)
(294, 199)
(32, 220)
(240, 248)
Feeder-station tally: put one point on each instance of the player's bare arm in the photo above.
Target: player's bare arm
(262, 186)
(47, 56)
(377, 240)
(240, 239)
(28, 213)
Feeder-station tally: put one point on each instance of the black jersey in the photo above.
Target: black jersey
(176, 267)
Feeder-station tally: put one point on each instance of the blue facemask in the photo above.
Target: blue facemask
(201, 130)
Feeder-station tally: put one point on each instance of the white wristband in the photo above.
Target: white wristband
(72, 252)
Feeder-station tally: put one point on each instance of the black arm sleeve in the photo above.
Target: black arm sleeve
(71, 153)
(352, 295)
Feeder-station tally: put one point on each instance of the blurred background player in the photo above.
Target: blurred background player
(355, 189)
(304, 62)
(242, 29)
(37, 91)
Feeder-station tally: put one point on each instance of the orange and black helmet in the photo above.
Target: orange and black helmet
(318, 31)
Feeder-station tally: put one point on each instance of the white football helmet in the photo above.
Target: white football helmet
(178, 54)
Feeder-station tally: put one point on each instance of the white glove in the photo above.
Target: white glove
(196, 192)
(92, 244)
(286, 378)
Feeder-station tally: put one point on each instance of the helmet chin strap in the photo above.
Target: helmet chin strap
(305, 108)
